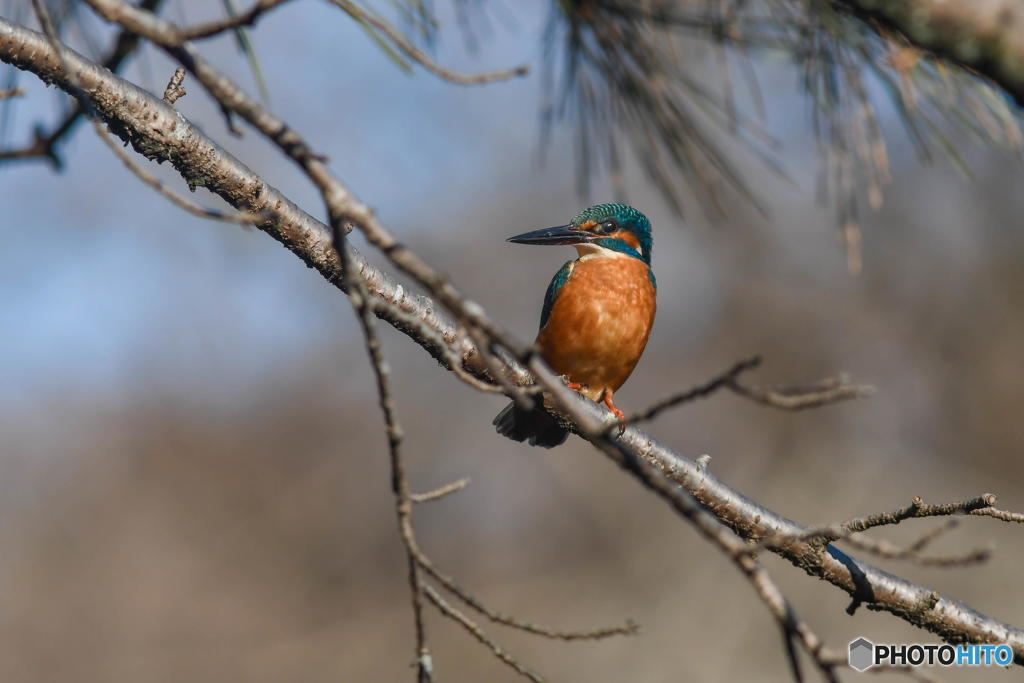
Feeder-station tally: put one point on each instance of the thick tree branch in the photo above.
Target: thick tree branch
(986, 36)
(158, 132)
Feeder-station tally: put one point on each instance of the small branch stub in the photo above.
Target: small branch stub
(174, 91)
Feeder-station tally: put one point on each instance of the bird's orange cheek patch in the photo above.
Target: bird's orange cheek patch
(627, 237)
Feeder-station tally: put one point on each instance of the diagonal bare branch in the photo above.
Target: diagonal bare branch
(159, 132)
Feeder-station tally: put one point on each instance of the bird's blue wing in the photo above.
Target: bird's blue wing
(557, 282)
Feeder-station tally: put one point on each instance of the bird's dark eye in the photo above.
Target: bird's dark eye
(607, 227)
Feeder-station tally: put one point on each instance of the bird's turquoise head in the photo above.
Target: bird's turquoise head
(616, 227)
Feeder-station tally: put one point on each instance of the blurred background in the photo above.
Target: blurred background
(193, 477)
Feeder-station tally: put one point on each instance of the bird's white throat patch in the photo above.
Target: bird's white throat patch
(589, 251)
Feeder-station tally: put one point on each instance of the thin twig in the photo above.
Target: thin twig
(420, 57)
(174, 92)
(928, 537)
(885, 549)
(9, 93)
(846, 531)
(360, 298)
(440, 492)
(825, 392)
(918, 508)
(246, 18)
(1004, 515)
(629, 628)
(474, 630)
(700, 391)
(891, 551)
(240, 217)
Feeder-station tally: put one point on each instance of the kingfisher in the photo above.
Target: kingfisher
(597, 315)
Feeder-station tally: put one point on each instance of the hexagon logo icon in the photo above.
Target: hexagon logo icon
(862, 654)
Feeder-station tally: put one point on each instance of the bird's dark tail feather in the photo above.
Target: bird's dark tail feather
(536, 425)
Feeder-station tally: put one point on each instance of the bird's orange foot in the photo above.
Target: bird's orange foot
(575, 386)
(619, 415)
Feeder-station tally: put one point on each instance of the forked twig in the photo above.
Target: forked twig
(825, 392)
(848, 532)
(700, 391)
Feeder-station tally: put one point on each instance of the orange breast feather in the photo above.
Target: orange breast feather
(600, 323)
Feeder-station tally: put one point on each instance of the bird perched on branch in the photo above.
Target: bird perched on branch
(597, 315)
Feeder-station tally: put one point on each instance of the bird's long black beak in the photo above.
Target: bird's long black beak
(560, 234)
